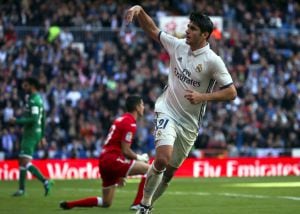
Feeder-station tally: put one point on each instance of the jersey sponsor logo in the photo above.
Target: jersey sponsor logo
(128, 136)
(184, 76)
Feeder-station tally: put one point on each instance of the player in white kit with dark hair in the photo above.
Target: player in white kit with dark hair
(194, 70)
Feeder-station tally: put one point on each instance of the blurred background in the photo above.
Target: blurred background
(88, 61)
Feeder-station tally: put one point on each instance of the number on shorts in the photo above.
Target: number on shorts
(162, 123)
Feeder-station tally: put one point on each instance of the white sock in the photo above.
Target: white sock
(154, 177)
(28, 165)
(159, 190)
(99, 201)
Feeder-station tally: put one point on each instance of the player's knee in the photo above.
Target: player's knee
(161, 162)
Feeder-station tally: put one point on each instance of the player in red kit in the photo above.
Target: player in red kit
(117, 159)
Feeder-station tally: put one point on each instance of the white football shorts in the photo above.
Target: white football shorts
(169, 132)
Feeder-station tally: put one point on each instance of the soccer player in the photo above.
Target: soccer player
(33, 121)
(194, 70)
(117, 160)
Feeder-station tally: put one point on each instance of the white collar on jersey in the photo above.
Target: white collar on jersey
(200, 50)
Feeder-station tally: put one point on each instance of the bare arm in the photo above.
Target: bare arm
(127, 151)
(225, 94)
(145, 21)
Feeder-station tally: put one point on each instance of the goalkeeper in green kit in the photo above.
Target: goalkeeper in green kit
(33, 122)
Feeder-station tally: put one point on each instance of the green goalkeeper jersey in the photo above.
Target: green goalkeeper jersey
(33, 119)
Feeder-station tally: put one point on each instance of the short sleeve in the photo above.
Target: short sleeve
(220, 72)
(168, 41)
(128, 131)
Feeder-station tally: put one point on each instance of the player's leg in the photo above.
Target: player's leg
(25, 157)
(28, 153)
(182, 147)
(155, 172)
(111, 177)
(36, 172)
(95, 201)
(27, 149)
(163, 185)
(165, 135)
(139, 168)
(22, 177)
(108, 196)
(139, 195)
(104, 201)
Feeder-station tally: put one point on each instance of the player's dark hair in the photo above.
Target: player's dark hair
(32, 81)
(132, 102)
(203, 22)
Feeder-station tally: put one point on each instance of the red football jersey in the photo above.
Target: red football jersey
(122, 130)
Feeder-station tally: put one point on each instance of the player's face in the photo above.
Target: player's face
(140, 109)
(194, 38)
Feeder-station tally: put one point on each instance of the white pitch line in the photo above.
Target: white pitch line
(242, 195)
(224, 194)
(185, 193)
(289, 198)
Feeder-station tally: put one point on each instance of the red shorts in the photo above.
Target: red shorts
(112, 167)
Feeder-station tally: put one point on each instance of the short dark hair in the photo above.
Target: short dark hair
(203, 22)
(33, 82)
(132, 102)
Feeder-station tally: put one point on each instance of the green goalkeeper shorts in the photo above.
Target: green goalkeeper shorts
(28, 145)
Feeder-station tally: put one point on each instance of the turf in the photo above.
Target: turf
(185, 195)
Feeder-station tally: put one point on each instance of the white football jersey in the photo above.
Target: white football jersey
(197, 70)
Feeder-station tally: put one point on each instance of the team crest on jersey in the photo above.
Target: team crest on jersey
(158, 133)
(199, 68)
(128, 136)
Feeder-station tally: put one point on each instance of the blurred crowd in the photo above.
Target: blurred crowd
(85, 80)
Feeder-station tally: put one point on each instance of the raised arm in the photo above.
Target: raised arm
(145, 21)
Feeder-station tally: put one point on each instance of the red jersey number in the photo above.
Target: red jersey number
(110, 134)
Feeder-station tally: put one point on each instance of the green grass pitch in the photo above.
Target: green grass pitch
(274, 195)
